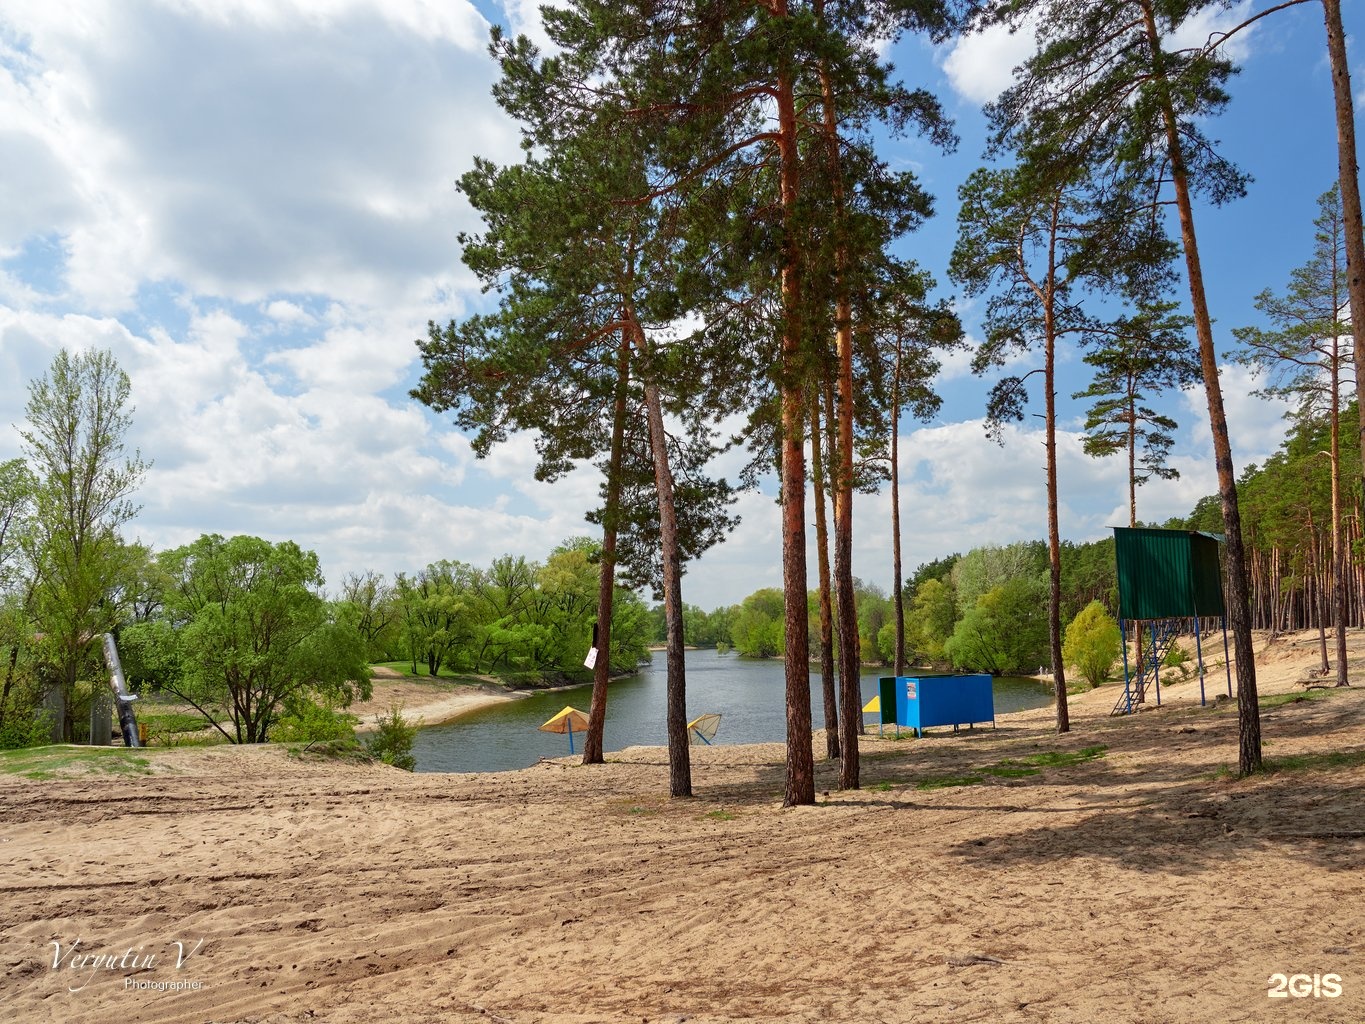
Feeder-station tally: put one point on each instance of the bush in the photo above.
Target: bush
(1093, 643)
(1175, 657)
(309, 722)
(392, 742)
(30, 730)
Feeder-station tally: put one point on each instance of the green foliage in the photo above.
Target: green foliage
(930, 620)
(77, 415)
(1089, 573)
(700, 628)
(940, 569)
(392, 740)
(168, 721)
(1143, 356)
(1006, 631)
(308, 721)
(375, 612)
(1175, 656)
(990, 566)
(932, 613)
(631, 627)
(1307, 354)
(1325, 761)
(1066, 758)
(1093, 643)
(758, 629)
(26, 727)
(17, 488)
(253, 635)
(1016, 768)
(516, 616)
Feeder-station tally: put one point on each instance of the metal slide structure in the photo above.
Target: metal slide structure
(127, 721)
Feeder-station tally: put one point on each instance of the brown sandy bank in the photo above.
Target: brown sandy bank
(1142, 883)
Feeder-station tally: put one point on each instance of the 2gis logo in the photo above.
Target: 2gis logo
(1303, 986)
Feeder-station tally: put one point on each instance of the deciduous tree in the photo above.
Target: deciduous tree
(78, 416)
(252, 633)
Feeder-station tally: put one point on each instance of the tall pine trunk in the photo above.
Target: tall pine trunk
(1316, 604)
(1338, 550)
(1348, 174)
(1138, 657)
(1054, 542)
(606, 584)
(846, 609)
(1238, 609)
(800, 785)
(679, 752)
(827, 675)
(897, 587)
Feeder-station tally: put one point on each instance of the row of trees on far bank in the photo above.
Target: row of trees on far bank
(982, 611)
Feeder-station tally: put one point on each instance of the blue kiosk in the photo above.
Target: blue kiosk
(919, 702)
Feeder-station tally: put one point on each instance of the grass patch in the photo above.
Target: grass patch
(444, 676)
(53, 762)
(1064, 758)
(949, 781)
(173, 721)
(1010, 770)
(510, 678)
(1279, 700)
(1331, 760)
(629, 806)
(882, 787)
(1019, 768)
(719, 815)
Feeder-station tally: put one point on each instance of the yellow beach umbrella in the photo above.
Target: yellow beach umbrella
(567, 721)
(703, 729)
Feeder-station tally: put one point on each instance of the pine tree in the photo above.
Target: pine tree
(1106, 79)
(1308, 362)
(1036, 233)
(1136, 359)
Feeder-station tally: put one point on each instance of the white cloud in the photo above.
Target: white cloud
(248, 149)
(286, 312)
(980, 66)
(1256, 425)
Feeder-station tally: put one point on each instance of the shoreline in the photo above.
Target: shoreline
(441, 709)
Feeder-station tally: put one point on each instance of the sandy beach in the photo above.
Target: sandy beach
(431, 704)
(1137, 882)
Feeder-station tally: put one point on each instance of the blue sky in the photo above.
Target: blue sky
(252, 203)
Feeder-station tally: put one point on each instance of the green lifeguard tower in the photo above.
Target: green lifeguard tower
(1165, 576)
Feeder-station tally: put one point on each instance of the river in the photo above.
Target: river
(749, 695)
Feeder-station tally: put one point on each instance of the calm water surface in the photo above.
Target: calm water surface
(749, 695)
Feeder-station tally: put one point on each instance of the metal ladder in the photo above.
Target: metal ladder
(1162, 633)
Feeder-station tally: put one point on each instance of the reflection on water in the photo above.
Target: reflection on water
(749, 695)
